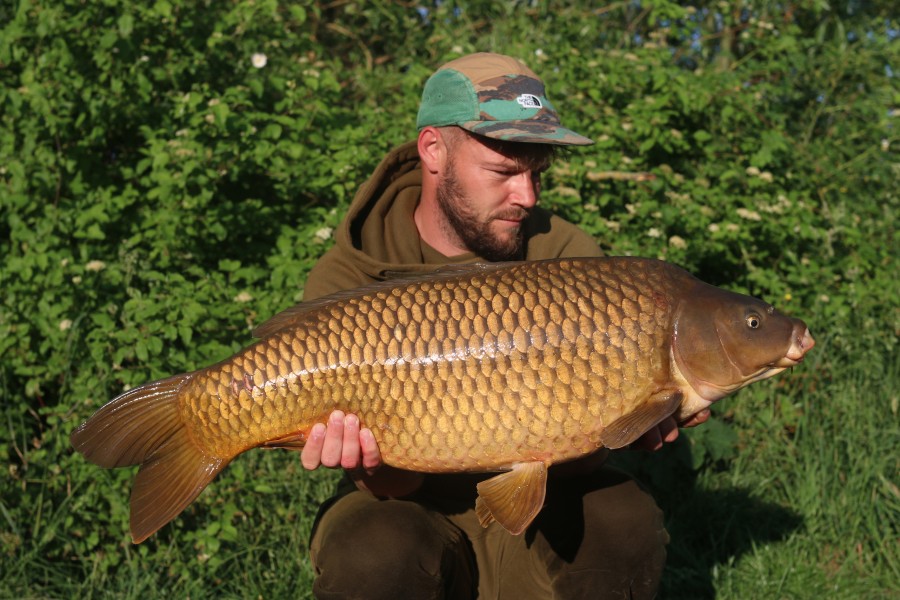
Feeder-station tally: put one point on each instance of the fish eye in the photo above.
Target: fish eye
(753, 321)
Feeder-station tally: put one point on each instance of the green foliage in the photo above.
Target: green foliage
(170, 171)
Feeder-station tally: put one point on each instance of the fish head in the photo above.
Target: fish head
(724, 341)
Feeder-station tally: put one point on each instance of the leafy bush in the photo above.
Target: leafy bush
(169, 172)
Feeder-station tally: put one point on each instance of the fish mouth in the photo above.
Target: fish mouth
(801, 343)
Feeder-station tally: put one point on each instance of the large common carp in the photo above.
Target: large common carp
(506, 367)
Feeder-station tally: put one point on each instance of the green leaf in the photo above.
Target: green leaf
(125, 25)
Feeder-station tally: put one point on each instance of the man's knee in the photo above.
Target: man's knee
(389, 549)
(623, 545)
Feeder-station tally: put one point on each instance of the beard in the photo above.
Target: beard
(475, 234)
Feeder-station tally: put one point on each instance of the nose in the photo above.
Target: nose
(526, 189)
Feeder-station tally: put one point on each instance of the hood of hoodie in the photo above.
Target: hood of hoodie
(379, 231)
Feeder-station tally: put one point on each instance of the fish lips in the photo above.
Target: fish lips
(801, 343)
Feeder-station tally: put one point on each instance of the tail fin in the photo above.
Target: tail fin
(143, 427)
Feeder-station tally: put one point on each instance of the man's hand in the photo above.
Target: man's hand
(667, 431)
(341, 443)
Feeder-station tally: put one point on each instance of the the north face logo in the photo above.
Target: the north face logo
(529, 101)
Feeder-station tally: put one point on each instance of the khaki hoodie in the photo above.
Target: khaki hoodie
(379, 237)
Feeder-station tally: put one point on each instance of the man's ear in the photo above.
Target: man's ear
(432, 149)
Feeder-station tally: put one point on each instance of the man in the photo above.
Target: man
(466, 191)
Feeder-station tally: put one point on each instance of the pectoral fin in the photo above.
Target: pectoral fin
(514, 498)
(627, 428)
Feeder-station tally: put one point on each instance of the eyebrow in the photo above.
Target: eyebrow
(509, 164)
(520, 163)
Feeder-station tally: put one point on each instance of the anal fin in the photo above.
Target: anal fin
(514, 498)
(629, 427)
(292, 441)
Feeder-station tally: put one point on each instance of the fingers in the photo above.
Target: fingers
(697, 419)
(649, 441)
(311, 456)
(350, 451)
(668, 430)
(665, 432)
(371, 455)
(340, 443)
(334, 439)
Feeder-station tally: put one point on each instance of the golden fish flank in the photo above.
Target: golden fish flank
(504, 367)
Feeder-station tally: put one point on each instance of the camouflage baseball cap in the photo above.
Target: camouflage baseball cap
(496, 96)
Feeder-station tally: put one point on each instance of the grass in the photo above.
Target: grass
(808, 507)
(801, 501)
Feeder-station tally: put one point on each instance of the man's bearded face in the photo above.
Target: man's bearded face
(495, 235)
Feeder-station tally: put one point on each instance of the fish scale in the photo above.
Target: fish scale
(523, 331)
(504, 367)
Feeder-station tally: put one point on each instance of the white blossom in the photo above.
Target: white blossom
(259, 60)
(750, 215)
(677, 242)
(95, 265)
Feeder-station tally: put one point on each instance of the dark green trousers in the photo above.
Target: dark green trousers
(598, 536)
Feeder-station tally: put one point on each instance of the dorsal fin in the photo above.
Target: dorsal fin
(447, 271)
(290, 316)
